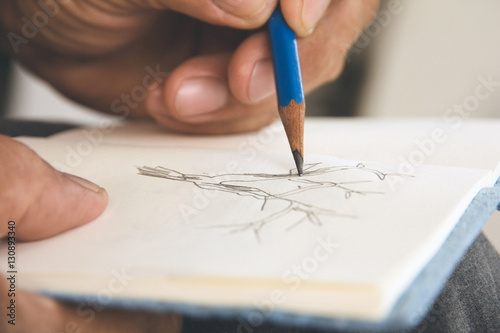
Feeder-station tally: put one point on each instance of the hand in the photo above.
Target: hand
(44, 202)
(201, 73)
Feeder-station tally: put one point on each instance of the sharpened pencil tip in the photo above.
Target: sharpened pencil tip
(299, 162)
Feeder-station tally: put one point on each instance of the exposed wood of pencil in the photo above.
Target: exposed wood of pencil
(292, 117)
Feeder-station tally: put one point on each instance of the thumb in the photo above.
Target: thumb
(40, 200)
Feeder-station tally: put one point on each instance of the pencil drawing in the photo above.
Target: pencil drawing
(263, 187)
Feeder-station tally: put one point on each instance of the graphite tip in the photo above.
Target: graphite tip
(299, 162)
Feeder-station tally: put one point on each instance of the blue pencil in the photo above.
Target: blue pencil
(291, 102)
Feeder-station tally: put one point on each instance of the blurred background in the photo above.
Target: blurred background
(417, 59)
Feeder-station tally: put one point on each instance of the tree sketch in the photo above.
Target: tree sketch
(260, 187)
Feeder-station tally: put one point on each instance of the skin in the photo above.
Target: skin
(45, 202)
(97, 52)
(94, 51)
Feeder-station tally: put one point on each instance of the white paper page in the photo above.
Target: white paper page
(470, 143)
(381, 227)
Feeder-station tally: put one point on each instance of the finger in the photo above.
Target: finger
(322, 54)
(196, 98)
(41, 200)
(303, 15)
(243, 91)
(242, 14)
(250, 72)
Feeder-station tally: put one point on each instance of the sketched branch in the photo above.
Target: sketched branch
(246, 185)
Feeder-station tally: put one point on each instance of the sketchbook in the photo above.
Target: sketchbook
(223, 226)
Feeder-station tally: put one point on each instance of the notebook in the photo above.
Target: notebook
(223, 226)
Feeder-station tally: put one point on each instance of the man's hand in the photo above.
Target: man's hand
(193, 65)
(44, 202)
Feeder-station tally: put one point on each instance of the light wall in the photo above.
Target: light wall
(427, 59)
(429, 55)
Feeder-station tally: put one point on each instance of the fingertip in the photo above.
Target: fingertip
(292, 12)
(197, 98)
(245, 14)
(85, 183)
(262, 85)
(91, 198)
(240, 14)
(250, 72)
(194, 92)
(41, 200)
(243, 8)
(65, 202)
(303, 15)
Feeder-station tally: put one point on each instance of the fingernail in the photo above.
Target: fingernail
(312, 12)
(199, 96)
(262, 81)
(85, 183)
(242, 8)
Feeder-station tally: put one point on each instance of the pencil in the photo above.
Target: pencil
(291, 101)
